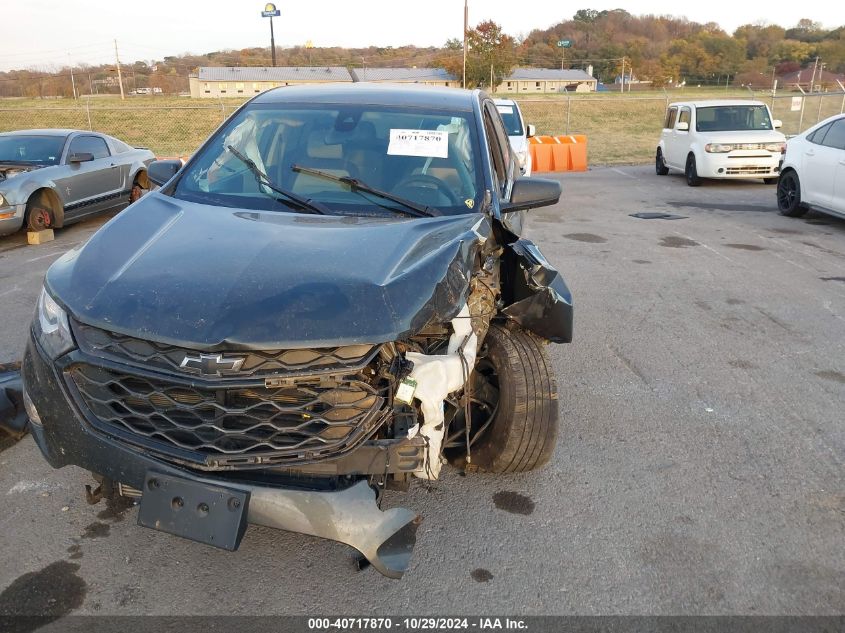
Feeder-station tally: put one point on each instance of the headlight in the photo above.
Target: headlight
(522, 157)
(776, 147)
(718, 148)
(51, 327)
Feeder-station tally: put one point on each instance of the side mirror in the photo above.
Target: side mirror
(530, 131)
(80, 157)
(160, 171)
(529, 193)
(682, 127)
(777, 123)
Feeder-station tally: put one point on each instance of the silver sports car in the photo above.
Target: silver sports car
(49, 178)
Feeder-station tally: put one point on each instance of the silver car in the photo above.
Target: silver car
(50, 178)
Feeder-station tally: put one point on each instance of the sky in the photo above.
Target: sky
(50, 34)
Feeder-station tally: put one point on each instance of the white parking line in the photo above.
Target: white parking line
(619, 171)
(35, 259)
(9, 291)
(709, 248)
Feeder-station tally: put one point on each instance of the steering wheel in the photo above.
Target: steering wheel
(424, 181)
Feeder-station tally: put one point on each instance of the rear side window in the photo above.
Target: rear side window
(89, 145)
(818, 136)
(671, 115)
(835, 136)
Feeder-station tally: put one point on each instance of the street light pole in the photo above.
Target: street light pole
(466, 26)
(272, 41)
(270, 11)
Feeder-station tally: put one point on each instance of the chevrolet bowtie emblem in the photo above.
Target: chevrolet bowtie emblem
(211, 364)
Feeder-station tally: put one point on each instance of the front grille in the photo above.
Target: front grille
(308, 418)
(751, 146)
(749, 170)
(150, 354)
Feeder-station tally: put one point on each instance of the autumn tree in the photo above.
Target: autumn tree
(489, 50)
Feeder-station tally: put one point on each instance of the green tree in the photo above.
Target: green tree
(490, 50)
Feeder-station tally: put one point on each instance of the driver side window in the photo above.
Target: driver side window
(89, 145)
(497, 156)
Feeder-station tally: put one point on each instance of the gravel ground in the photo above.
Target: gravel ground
(699, 468)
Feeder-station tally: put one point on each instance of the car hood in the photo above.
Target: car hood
(207, 277)
(9, 171)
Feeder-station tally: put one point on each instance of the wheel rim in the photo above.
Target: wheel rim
(39, 219)
(787, 192)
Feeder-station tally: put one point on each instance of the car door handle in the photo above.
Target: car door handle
(810, 153)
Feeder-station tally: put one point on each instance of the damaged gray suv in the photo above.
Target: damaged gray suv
(332, 297)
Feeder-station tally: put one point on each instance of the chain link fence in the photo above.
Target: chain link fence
(168, 130)
(620, 128)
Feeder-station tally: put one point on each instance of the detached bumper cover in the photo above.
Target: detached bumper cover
(349, 516)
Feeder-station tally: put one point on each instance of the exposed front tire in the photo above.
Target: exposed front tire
(789, 195)
(660, 163)
(523, 430)
(691, 172)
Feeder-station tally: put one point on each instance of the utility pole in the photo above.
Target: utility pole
(622, 85)
(119, 76)
(72, 80)
(813, 78)
(466, 26)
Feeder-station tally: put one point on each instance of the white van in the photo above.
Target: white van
(720, 139)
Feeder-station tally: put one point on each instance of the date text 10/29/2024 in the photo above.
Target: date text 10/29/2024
(416, 624)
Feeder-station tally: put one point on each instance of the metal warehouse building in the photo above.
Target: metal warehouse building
(425, 76)
(245, 81)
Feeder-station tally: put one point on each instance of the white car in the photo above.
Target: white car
(813, 171)
(720, 139)
(518, 132)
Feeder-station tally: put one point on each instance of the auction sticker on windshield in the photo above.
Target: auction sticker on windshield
(427, 143)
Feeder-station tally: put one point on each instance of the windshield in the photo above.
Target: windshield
(41, 150)
(427, 157)
(735, 118)
(511, 118)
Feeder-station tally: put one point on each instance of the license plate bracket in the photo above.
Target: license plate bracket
(207, 513)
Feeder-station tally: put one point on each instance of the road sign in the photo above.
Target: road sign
(796, 104)
(564, 43)
(270, 11)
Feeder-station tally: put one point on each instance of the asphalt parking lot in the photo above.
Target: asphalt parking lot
(699, 468)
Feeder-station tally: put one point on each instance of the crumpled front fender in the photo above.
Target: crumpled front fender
(540, 300)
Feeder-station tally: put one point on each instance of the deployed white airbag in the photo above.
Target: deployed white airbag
(437, 376)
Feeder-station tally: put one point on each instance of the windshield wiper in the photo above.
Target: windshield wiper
(412, 208)
(263, 179)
